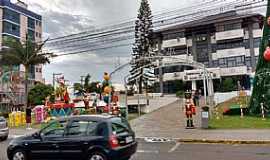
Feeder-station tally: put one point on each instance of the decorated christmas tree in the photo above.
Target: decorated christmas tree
(261, 92)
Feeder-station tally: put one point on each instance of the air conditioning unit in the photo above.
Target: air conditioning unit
(214, 75)
(186, 78)
(176, 75)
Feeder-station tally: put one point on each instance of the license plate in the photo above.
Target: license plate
(129, 139)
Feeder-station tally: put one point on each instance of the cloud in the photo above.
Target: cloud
(64, 17)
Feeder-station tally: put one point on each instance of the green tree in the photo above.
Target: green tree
(78, 88)
(26, 53)
(87, 83)
(142, 47)
(228, 85)
(261, 90)
(39, 92)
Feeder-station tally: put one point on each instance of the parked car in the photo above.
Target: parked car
(87, 137)
(3, 128)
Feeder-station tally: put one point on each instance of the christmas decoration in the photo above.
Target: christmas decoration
(266, 54)
(261, 81)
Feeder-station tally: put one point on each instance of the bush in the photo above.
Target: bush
(180, 94)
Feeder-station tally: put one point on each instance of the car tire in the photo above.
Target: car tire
(18, 155)
(97, 156)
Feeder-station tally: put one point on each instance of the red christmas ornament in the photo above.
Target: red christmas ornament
(266, 54)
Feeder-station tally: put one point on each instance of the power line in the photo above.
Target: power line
(119, 38)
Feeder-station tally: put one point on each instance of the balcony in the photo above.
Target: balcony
(224, 53)
(173, 76)
(238, 33)
(233, 71)
(177, 59)
(174, 42)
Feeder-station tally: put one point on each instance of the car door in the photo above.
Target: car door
(72, 146)
(46, 146)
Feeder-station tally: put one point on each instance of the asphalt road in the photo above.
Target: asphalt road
(178, 151)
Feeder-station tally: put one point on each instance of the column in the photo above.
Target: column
(194, 85)
(194, 47)
(161, 88)
(251, 46)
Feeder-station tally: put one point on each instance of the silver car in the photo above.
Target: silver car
(3, 128)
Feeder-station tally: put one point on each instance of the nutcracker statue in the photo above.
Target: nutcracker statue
(189, 109)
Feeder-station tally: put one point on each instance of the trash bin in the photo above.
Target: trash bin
(205, 117)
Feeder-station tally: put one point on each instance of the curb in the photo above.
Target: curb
(202, 141)
(208, 141)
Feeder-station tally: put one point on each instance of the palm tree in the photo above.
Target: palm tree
(26, 53)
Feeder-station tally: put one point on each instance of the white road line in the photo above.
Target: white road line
(146, 151)
(174, 147)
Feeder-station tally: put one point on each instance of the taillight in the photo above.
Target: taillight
(113, 141)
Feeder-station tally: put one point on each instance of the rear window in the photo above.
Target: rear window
(120, 125)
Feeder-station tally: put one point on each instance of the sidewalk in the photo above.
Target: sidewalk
(169, 122)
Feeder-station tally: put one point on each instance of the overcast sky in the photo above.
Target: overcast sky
(63, 17)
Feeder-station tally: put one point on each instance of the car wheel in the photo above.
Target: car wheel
(97, 156)
(19, 155)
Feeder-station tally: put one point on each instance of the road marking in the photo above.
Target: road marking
(146, 151)
(157, 140)
(174, 147)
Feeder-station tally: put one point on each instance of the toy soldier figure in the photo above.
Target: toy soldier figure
(189, 111)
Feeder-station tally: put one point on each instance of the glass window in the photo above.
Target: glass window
(31, 23)
(222, 62)
(11, 15)
(56, 128)
(248, 61)
(232, 26)
(31, 34)
(77, 128)
(11, 28)
(120, 125)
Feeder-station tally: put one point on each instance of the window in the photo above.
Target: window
(177, 35)
(232, 26)
(248, 61)
(31, 34)
(56, 128)
(120, 125)
(11, 15)
(77, 128)
(11, 28)
(80, 128)
(240, 61)
(118, 129)
(230, 45)
(31, 23)
(222, 62)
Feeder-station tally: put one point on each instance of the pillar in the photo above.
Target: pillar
(193, 85)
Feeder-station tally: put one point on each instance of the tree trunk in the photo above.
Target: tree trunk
(26, 86)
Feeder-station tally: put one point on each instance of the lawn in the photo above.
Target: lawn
(236, 122)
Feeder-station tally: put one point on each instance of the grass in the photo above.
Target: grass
(236, 122)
